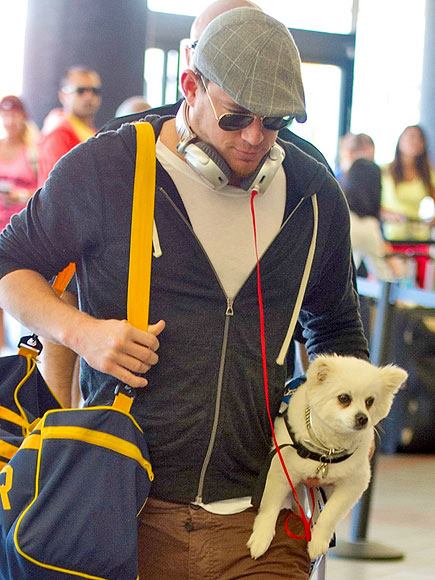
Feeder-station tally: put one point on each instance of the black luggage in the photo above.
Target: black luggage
(410, 427)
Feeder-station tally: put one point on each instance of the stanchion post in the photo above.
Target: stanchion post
(358, 547)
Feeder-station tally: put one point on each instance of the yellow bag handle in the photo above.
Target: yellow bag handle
(141, 239)
(142, 219)
(63, 279)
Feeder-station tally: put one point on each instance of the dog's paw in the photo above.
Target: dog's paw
(318, 545)
(259, 542)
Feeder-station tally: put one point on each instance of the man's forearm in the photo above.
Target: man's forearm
(114, 347)
(28, 297)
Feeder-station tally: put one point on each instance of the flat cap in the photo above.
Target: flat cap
(253, 58)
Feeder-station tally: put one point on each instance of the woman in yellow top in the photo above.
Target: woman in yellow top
(405, 183)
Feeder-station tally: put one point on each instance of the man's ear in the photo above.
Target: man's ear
(61, 97)
(189, 84)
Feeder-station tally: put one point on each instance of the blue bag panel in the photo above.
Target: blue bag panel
(14, 498)
(9, 444)
(83, 517)
(22, 469)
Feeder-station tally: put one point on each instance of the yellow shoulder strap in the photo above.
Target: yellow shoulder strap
(63, 278)
(142, 219)
(141, 239)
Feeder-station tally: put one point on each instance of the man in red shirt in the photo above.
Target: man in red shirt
(66, 127)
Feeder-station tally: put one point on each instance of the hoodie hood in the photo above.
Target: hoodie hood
(305, 174)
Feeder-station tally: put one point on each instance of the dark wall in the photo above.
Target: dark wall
(427, 117)
(106, 35)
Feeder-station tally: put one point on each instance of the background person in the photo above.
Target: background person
(406, 182)
(18, 159)
(203, 411)
(64, 128)
(17, 168)
(136, 104)
(361, 183)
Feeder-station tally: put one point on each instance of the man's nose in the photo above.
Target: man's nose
(253, 133)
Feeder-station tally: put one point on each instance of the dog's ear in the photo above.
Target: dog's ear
(319, 369)
(393, 377)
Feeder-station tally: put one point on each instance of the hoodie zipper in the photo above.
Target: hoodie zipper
(229, 312)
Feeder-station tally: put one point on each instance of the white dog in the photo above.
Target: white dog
(330, 421)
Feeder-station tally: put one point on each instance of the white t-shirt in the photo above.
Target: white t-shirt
(221, 219)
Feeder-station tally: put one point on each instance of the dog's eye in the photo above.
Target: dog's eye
(344, 399)
(369, 402)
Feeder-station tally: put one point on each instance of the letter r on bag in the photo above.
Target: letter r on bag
(5, 487)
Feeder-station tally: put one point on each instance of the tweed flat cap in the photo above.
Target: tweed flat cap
(253, 58)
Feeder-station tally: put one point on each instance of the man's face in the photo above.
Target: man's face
(81, 95)
(242, 149)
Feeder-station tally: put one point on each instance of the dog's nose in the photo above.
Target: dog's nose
(361, 420)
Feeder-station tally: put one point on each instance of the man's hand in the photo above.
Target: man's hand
(117, 348)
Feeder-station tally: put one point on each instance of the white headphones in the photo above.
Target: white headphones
(212, 168)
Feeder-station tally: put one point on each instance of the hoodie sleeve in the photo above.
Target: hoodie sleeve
(330, 312)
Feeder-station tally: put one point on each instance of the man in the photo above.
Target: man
(80, 96)
(198, 25)
(202, 409)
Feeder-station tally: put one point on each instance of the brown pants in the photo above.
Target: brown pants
(185, 542)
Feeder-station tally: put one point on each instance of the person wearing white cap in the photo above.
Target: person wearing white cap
(201, 401)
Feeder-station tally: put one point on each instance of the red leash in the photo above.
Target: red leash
(305, 521)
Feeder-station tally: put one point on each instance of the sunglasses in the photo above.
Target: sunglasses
(82, 90)
(238, 121)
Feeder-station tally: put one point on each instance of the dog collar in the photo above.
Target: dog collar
(329, 456)
(316, 441)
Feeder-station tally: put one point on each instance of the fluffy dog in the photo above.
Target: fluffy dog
(330, 422)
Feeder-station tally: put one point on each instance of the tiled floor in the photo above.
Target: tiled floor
(402, 516)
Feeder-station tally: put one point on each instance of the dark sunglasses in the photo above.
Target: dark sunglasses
(82, 90)
(238, 121)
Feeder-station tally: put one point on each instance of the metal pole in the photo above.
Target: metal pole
(358, 547)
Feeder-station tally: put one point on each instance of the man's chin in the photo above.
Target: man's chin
(242, 170)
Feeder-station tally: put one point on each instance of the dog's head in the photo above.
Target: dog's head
(350, 394)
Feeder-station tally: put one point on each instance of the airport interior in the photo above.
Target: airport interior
(368, 71)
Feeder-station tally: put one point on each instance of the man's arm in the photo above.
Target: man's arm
(330, 312)
(114, 347)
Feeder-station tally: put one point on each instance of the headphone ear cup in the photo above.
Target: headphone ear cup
(206, 161)
(266, 170)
